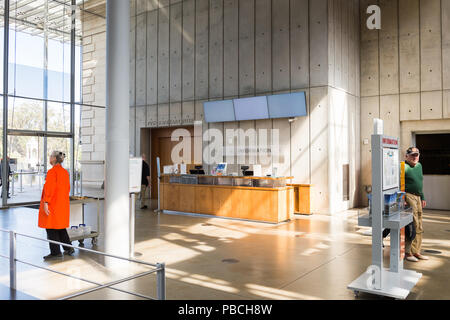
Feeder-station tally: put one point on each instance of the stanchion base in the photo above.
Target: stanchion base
(136, 254)
(394, 284)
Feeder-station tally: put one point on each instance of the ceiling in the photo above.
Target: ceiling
(51, 17)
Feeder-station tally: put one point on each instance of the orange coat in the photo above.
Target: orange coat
(56, 193)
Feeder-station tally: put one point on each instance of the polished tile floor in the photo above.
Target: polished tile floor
(311, 257)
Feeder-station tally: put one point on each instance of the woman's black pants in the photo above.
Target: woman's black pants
(59, 235)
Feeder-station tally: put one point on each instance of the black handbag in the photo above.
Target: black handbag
(410, 232)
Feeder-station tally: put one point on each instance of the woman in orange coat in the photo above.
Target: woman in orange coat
(54, 210)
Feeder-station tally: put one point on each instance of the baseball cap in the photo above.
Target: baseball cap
(412, 151)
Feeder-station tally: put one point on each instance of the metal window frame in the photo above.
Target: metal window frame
(5, 100)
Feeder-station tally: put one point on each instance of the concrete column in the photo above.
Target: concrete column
(117, 208)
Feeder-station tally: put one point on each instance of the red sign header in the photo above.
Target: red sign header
(390, 141)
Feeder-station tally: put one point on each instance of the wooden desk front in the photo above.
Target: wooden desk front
(261, 204)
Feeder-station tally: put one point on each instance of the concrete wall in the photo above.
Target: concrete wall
(343, 99)
(405, 71)
(188, 52)
(94, 91)
(184, 53)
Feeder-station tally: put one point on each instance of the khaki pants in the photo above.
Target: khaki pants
(143, 196)
(415, 246)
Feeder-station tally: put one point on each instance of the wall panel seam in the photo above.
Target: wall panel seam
(254, 49)
(223, 52)
(271, 70)
(398, 59)
(157, 68)
(238, 55)
(181, 60)
(290, 85)
(195, 57)
(168, 73)
(420, 62)
(254, 54)
(209, 60)
(146, 67)
(379, 69)
(134, 80)
(442, 63)
(309, 84)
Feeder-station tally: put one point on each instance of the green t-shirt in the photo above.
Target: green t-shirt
(414, 179)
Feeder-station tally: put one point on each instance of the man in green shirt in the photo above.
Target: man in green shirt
(416, 199)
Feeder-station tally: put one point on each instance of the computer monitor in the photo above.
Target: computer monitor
(196, 171)
(221, 168)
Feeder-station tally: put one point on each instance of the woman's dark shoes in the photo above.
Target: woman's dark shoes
(53, 256)
(69, 251)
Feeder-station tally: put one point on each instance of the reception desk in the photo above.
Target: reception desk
(267, 199)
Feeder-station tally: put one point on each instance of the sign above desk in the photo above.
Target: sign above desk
(288, 105)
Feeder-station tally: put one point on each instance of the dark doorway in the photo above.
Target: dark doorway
(434, 153)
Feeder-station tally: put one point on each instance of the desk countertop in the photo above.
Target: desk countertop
(235, 177)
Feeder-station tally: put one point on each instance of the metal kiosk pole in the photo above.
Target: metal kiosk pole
(394, 282)
(158, 172)
(135, 174)
(133, 254)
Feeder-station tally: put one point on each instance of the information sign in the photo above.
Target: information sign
(135, 176)
(390, 169)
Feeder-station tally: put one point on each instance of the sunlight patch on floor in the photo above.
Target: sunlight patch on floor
(277, 294)
(209, 283)
(164, 250)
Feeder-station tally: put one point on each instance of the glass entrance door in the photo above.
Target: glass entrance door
(26, 169)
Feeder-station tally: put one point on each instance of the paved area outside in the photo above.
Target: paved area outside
(311, 257)
(32, 192)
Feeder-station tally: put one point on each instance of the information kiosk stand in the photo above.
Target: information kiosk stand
(394, 282)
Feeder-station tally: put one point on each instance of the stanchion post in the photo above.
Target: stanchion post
(12, 261)
(161, 281)
(158, 169)
(132, 222)
(75, 184)
(12, 182)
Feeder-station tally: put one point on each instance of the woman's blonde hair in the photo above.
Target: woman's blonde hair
(60, 156)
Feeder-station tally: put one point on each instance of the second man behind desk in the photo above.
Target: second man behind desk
(145, 182)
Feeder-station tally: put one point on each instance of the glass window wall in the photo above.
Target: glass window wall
(44, 94)
(25, 114)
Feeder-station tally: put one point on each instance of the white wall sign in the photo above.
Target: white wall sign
(135, 177)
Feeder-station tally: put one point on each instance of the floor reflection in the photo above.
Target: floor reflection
(311, 257)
